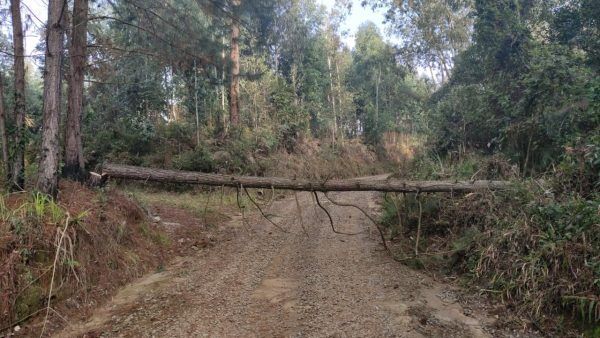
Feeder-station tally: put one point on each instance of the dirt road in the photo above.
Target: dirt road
(264, 282)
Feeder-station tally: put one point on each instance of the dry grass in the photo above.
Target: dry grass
(108, 242)
(537, 253)
(314, 159)
(211, 203)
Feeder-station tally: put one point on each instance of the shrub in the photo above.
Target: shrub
(194, 160)
(534, 246)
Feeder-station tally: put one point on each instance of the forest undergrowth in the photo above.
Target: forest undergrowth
(64, 257)
(534, 247)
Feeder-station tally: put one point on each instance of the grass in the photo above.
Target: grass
(534, 247)
(199, 204)
(106, 244)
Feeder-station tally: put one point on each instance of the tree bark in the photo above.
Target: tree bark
(332, 90)
(234, 86)
(48, 167)
(3, 135)
(196, 105)
(74, 167)
(18, 161)
(377, 100)
(355, 184)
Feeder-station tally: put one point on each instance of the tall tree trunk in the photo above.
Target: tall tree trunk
(444, 70)
(18, 163)
(433, 78)
(196, 105)
(340, 107)
(377, 98)
(234, 86)
(74, 162)
(222, 85)
(3, 136)
(48, 166)
(331, 88)
(294, 76)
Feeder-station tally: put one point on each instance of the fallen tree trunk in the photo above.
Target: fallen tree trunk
(355, 184)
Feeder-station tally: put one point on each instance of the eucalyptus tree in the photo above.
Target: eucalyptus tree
(301, 58)
(525, 87)
(433, 32)
(373, 60)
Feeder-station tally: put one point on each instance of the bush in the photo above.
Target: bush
(536, 245)
(194, 160)
(106, 242)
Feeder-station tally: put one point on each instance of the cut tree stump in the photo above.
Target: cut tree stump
(355, 184)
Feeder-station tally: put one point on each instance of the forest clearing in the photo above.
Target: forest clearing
(305, 168)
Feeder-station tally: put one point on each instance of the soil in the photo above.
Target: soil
(255, 280)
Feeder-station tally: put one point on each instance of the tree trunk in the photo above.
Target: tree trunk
(433, 78)
(18, 162)
(48, 166)
(222, 85)
(3, 135)
(445, 71)
(295, 86)
(196, 105)
(377, 99)
(356, 184)
(331, 88)
(234, 86)
(340, 107)
(74, 162)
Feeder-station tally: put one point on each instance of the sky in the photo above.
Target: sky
(358, 16)
(37, 10)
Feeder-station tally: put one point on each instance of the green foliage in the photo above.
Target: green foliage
(37, 210)
(385, 97)
(535, 245)
(514, 93)
(564, 221)
(294, 120)
(194, 160)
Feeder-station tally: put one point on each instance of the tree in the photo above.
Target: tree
(433, 31)
(255, 17)
(234, 86)
(18, 163)
(576, 24)
(3, 134)
(48, 166)
(74, 162)
(523, 88)
(374, 71)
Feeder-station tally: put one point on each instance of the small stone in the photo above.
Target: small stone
(17, 328)
(155, 219)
